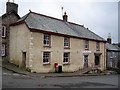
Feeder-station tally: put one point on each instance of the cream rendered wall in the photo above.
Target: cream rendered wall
(21, 39)
(19, 42)
(57, 50)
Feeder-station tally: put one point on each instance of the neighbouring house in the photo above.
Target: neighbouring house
(38, 42)
(11, 16)
(113, 54)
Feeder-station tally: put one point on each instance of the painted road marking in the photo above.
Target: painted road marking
(7, 74)
(15, 74)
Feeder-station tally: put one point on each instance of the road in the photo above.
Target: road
(14, 80)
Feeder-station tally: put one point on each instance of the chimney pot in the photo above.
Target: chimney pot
(109, 40)
(65, 17)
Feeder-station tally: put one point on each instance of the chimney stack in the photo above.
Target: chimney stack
(65, 17)
(109, 40)
(11, 6)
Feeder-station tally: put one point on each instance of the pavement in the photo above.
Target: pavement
(23, 71)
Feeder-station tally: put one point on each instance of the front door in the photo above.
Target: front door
(23, 59)
(86, 61)
(97, 60)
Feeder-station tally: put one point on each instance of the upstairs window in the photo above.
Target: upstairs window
(46, 57)
(46, 40)
(86, 44)
(66, 42)
(97, 46)
(3, 32)
(66, 58)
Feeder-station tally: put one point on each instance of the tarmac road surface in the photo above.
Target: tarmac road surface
(15, 80)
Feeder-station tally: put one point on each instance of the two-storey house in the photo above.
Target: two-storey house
(38, 41)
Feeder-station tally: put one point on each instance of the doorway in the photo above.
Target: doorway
(97, 60)
(23, 59)
(85, 61)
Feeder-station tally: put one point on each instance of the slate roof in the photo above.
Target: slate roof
(112, 47)
(50, 24)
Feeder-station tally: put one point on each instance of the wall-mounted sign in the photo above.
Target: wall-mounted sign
(87, 52)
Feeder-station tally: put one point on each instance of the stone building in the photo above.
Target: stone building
(39, 41)
(113, 54)
(11, 16)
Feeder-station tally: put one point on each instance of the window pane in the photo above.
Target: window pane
(46, 57)
(46, 39)
(3, 31)
(86, 44)
(66, 57)
(97, 46)
(66, 42)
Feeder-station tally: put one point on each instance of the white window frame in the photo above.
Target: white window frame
(46, 55)
(86, 45)
(66, 58)
(3, 50)
(47, 40)
(66, 42)
(3, 31)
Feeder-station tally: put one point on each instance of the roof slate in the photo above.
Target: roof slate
(112, 47)
(50, 24)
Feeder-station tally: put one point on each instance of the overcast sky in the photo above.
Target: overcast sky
(100, 17)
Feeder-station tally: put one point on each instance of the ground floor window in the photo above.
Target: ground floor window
(85, 61)
(97, 60)
(66, 57)
(2, 51)
(46, 57)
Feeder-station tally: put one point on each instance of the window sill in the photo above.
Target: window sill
(3, 55)
(111, 57)
(47, 46)
(47, 63)
(3, 37)
(66, 47)
(98, 50)
(66, 63)
(86, 48)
